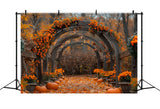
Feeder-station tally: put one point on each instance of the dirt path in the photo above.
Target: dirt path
(80, 84)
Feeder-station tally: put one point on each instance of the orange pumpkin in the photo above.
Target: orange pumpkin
(23, 92)
(26, 91)
(60, 79)
(57, 82)
(40, 89)
(95, 79)
(114, 90)
(100, 80)
(107, 87)
(51, 91)
(50, 85)
(35, 91)
(37, 88)
(110, 85)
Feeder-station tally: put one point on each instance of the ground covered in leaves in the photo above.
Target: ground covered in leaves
(81, 84)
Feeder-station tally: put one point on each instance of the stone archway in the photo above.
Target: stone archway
(108, 40)
(59, 43)
(83, 26)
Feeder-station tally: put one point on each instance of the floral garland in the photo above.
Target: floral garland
(94, 27)
(42, 41)
(58, 24)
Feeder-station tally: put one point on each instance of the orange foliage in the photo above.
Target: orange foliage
(94, 26)
(42, 40)
(110, 74)
(124, 74)
(134, 40)
(33, 77)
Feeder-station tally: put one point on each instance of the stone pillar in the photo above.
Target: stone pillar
(104, 61)
(52, 62)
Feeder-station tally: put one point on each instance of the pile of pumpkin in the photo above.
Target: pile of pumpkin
(48, 87)
(109, 88)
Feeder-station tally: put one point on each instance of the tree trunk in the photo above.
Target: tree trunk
(42, 66)
(135, 23)
(125, 27)
(39, 71)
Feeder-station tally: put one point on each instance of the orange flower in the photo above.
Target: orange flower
(124, 74)
(27, 77)
(110, 31)
(134, 40)
(57, 72)
(42, 40)
(98, 71)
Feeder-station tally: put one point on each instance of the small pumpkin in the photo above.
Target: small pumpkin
(23, 92)
(37, 88)
(50, 85)
(60, 79)
(110, 85)
(35, 91)
(95, 79)
(100, 80)
(51, 91)
(40, 89)
(114, 90)
(107, 87)
(26, 91)
(57, 82)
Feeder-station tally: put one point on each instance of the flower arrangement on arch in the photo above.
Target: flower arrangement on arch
(94, 26)
(43, 39)
(125, 76)
(58, 24)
